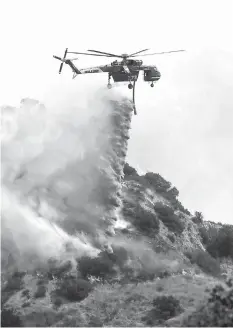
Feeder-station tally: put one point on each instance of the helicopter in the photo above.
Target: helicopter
(124, 70)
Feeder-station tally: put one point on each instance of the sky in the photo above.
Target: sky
(184, 125)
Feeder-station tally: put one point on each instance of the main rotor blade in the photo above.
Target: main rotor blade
(135, 53)
(105, 53)
(159, 53)
(84, 53)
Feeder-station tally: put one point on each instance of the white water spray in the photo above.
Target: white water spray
(61, 174)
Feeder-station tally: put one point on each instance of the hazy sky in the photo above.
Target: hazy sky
(184, 127)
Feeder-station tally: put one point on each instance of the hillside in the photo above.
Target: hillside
(87, 241)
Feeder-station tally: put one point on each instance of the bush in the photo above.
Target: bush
(169, 218)
(129, 170)
(128, 208)
(157, 181)
(205, 261)
(125, 231)
(14, 283)
(119, 256)
(26, 304)
(204, 235)
(57, 302)
(178, 206)
(26, 293)
(99, 267)
(145, 221)
(57, 269)
(40, 292)
(165, 307)
(144, 275)
(208, 235)
(172, 238)
(9, 318)
(198, 218)
(217, 311)
(73, 289)
(222, 245)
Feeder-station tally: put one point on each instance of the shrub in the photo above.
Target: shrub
(119, 256)
(26, 293)
(145, 221)
(73, 289)
(198, 218)
(125, 231)
(57, 302)
(172, 238)
(129, 170)
(144, 275)
(157, 181)
(204, 235)
(205, 261)
(15, 282)
(57, 269)
(9, 318)
(169, 218)
(40, 292)
(164, 308)
(178, 206)
(222, 245)
(208, 235)
(99, 267)
(217, 311)
(128, 208)
(73, 316)
(26, 304)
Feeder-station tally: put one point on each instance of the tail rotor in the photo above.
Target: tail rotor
(63, 62)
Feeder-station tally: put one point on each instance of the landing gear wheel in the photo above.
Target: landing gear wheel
(109, 86)
(152, 85)
(130, 86)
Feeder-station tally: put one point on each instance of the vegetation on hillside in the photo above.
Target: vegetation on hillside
(139, 282)
(217, 311)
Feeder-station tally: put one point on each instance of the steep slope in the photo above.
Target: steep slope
(151, 194)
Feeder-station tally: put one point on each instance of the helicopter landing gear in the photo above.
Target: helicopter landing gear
(130, 85)
(152, 85)
(109, 83)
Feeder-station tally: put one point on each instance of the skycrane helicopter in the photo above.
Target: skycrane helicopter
(125, 70)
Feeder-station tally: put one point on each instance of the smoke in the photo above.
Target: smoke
(62, 164)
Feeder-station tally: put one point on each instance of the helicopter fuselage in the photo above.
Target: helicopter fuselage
(122, 71)
(128, 70)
